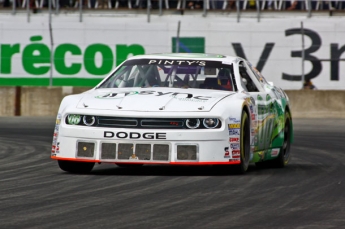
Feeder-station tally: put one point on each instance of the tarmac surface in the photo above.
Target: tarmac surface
(35, 193)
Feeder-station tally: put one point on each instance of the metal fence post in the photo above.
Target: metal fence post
(238, 10)
(148, 10)
(303, 53)
(80, 10)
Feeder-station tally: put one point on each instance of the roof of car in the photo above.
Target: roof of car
(206, 56)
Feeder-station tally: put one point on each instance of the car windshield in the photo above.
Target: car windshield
(201, 74)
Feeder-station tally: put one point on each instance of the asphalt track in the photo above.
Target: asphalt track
(35, 193)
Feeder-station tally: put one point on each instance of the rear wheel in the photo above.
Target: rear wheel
(245, 144)
(284, 155)
(76, 166)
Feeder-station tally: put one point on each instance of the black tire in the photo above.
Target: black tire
(123, 165)
(284, 155)
(76, 166)
(245, 145)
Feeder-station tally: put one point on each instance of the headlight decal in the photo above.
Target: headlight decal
(73, 119)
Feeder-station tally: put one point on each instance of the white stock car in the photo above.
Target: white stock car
(177, 109)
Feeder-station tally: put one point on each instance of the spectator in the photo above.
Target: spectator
(308, 85)
(269, 4)
(293, 5)
(195, 4)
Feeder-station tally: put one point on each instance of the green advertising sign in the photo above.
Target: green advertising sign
(96, 60)
(69, 64)
(189, 45)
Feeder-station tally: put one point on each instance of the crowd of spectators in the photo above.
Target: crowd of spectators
(187, 4)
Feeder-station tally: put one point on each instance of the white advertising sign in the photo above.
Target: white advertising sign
(82, 53)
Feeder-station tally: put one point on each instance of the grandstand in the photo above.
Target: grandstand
(163, 7)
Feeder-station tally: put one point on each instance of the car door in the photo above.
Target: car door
(264, 98)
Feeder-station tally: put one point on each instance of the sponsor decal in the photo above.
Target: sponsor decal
(55, 138)
(234, 120)
(119, 95)
(261, 155)
(234, 126)
(234, 139)
(178, 95)
(227, 153)
(251, 108)
(235, 159)
(134, 135)
(236, 154)
(191, 99)
(235, 146)
(55, 144)
(178, 62)
(56, 148)
(275, 152)
(234, 131)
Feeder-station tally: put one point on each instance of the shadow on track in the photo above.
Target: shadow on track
(168, 170)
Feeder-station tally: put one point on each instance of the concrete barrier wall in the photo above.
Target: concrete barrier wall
(7, 101)
(44, 101)
(317, 103)
(34, 101)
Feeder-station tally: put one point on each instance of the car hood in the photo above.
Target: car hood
(152, 99)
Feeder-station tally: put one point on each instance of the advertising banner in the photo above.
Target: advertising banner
(77, 53)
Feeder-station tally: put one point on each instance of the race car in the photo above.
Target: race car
(176, 109)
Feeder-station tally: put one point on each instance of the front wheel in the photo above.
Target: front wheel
(76, 166)
(245, 144)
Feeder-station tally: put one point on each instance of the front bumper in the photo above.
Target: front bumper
(140, 146)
